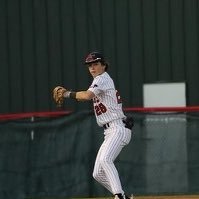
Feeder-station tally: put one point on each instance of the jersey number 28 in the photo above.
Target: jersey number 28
(100, 108)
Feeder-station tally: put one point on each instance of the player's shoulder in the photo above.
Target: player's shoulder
(103, 80)
(104, 76)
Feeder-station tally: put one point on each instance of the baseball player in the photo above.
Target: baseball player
(107, 105)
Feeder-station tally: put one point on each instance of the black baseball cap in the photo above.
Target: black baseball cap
(94, 57)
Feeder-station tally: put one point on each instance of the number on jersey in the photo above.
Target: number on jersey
(100, 108)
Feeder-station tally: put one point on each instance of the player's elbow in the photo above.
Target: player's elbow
(84, 95)
(89, 95)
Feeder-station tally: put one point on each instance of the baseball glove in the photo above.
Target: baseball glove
(58, 95)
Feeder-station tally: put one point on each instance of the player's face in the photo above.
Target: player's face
(96, 68)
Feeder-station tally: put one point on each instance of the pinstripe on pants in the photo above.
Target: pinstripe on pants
(105, 172)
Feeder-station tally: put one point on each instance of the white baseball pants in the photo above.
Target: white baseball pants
(105, 172)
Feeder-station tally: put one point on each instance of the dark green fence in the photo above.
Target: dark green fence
(54, 157)
(44, 43)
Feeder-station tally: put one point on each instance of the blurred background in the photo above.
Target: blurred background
(43, 43)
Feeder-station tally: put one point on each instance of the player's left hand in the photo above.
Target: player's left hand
(58, 95)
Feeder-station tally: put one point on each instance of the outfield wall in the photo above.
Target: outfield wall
(54, 157)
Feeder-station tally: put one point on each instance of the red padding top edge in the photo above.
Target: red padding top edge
(33, 114)
(128, 109)
(163, 109)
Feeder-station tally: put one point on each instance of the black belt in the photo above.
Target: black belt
(107, 125)
(129, 123)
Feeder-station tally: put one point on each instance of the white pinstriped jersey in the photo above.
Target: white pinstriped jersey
(107, 102)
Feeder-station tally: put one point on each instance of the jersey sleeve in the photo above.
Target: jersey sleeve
(98, 85)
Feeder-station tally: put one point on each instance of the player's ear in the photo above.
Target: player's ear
(105, 66)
